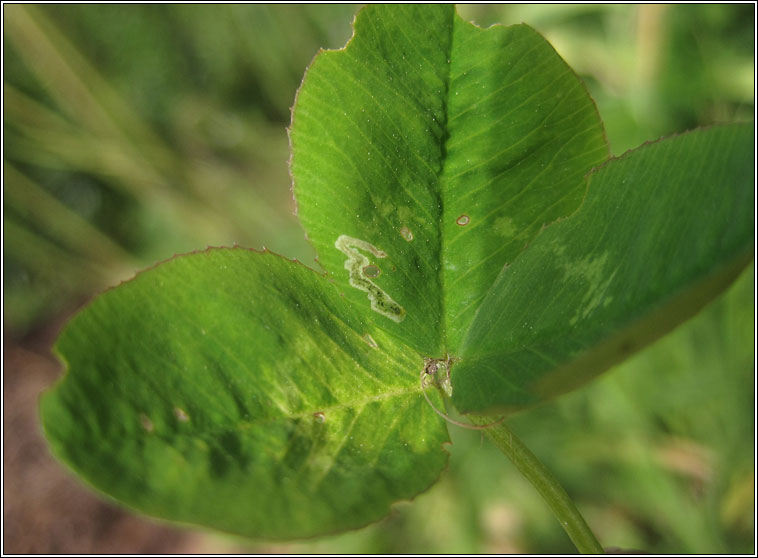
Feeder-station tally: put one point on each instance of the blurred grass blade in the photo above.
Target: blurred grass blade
(111, 140)
(45, 258)
(79, 89)
(60, 222)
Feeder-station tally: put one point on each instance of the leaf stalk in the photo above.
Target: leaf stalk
(547, 485)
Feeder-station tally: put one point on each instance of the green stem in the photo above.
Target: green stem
(547, 485)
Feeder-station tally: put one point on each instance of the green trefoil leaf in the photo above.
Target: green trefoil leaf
(457, 186)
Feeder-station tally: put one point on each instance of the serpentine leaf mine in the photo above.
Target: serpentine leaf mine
(361, 270)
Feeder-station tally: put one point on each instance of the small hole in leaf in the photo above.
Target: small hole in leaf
(371, 271)
(319, 417)
(462, 220)
(406, 233)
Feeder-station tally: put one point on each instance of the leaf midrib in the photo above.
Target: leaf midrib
(441, 190)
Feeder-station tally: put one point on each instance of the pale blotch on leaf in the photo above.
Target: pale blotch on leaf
(591, 272)
(504, 227)
(319, 417)
(146, 423)
(406, 233)
(180, 415)
(463, 220)
(358, 267)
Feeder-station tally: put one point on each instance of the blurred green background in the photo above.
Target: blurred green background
(136, 132)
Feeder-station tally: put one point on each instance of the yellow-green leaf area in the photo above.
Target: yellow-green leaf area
(238, 390)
